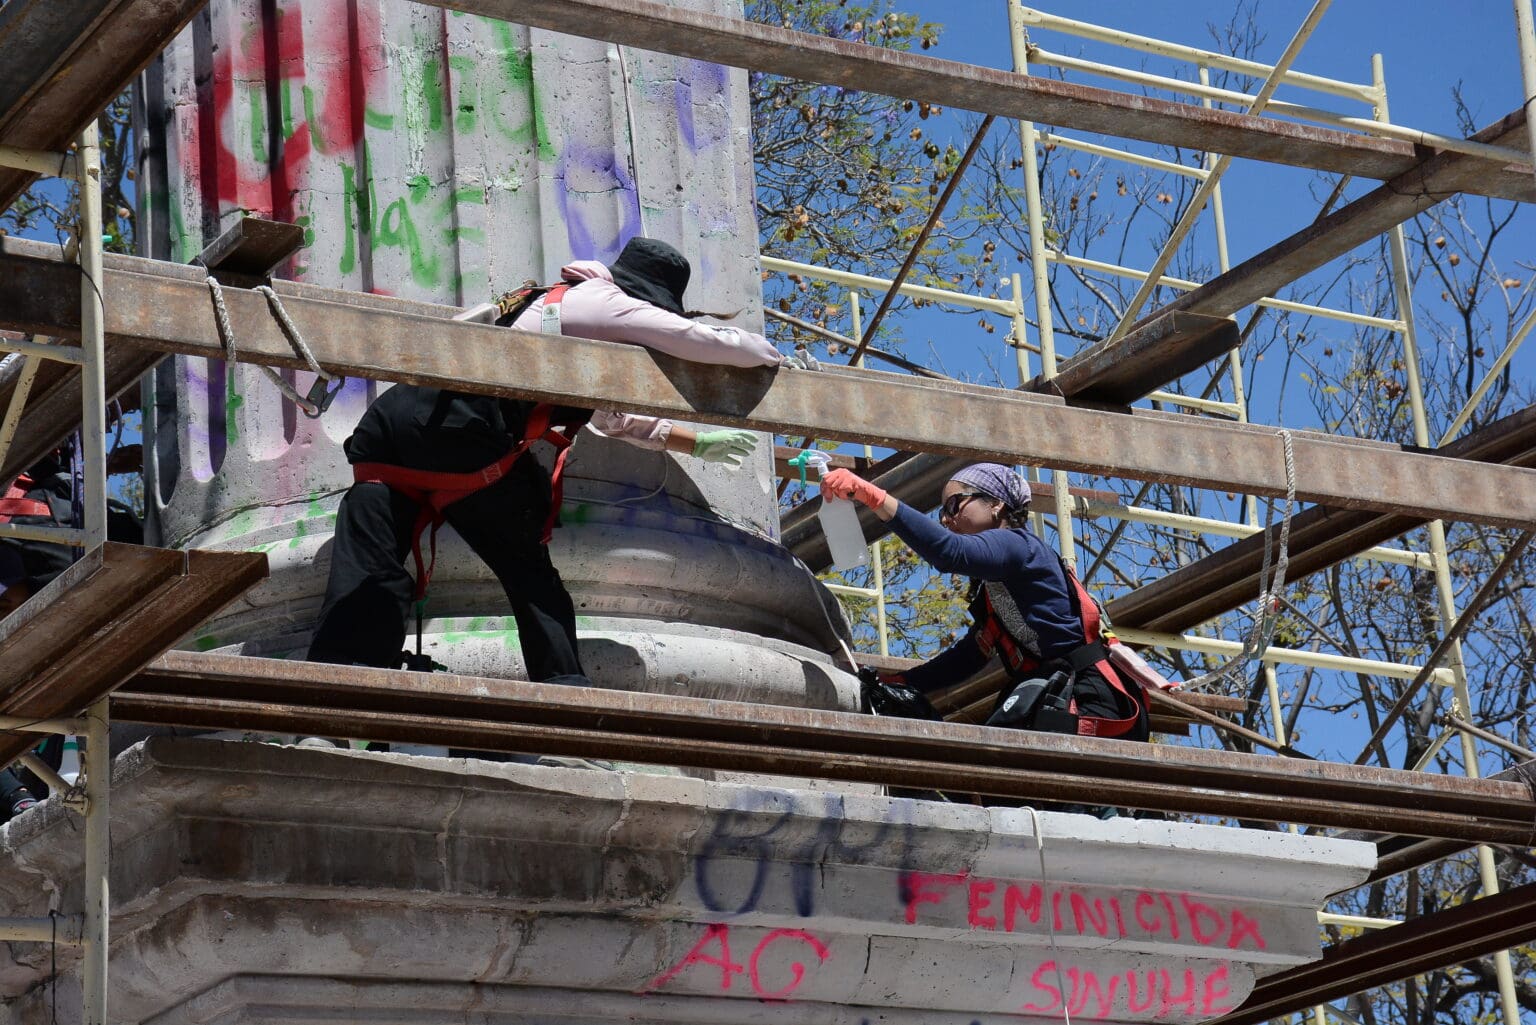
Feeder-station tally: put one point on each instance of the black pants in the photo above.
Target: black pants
(368, 595)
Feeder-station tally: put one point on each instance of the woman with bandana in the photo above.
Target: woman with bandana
(1027, 609)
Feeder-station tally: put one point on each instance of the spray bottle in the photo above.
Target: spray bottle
(839, 519)
(69, 760)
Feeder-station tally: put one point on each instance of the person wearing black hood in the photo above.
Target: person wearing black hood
(423, 456)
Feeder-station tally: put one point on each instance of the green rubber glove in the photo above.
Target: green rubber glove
(730, 448)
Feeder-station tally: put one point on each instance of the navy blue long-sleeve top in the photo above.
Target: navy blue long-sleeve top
(1015, 557)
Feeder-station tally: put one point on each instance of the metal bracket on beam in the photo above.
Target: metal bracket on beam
(22, 724)
(66, 930)
(247, 253)
(57, 165)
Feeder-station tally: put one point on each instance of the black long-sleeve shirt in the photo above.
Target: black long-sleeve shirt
(1013, 556)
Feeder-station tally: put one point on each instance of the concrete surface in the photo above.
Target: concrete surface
(254, 883)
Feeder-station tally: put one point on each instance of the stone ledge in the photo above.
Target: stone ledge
(236, 859)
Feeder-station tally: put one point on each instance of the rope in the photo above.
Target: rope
(1050, 919)
(319, 397)
(1270, 589)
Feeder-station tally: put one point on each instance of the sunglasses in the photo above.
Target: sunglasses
(952, 505)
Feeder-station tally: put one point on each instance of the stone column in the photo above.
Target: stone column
(444, 157)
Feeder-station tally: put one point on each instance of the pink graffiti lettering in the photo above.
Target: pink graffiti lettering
(1082, 992)
(924, 888)
(719, 934)
(979, 895)
(728, 969)
(1154, 914)
(796, 969)
(1016, 900)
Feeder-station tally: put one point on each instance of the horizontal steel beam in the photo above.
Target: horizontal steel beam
(61, 62)
(154, 305)
(1161, 350)
(1116, 373)
(1320, 537)
(104, 619)
(1415, 947)
(769, 48)
(52, 410)
(1400, 199)
(226, 691)
(1398, 854)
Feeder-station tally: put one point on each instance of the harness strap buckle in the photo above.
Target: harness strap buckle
(320, 396)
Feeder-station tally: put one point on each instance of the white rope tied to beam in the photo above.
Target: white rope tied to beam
(1270, 590)
(313, 404)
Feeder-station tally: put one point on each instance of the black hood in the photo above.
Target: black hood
(653, 271)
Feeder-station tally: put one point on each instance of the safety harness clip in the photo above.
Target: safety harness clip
(321, 394)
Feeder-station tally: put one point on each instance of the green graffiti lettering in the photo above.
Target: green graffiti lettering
(285, 108)
(420, 185)
(258, 125)
(351, 203)
(233, 400)
(432, 93)
(468, 91)
(376, 119)
(316, 139)
(397, 229)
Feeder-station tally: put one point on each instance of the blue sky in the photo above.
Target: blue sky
(1426, 49)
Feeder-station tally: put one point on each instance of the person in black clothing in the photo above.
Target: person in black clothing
(369, 592)
(505, 505)
(15, 798)
(43, 496)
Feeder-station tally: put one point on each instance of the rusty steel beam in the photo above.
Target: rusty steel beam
(104, 619)
(1163, 349)
(1114, 374)
(1398, 854)
(1419, 945)
(52, 412)
(1403, 197)
(62, 62)
(1320, 537)
(769, 48)
(224, 691)
(153, 305)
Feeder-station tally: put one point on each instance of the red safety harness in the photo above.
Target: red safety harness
(434, 491)
(16, 503)
(994, 637)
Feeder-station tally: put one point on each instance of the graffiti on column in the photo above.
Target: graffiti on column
(327, 117)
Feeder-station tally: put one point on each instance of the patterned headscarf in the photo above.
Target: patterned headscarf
(997, 481)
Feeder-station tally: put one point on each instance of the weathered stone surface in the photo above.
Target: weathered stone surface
(446, 159)
(254, 883)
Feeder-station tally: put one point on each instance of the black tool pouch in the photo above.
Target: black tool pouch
(1037, 700)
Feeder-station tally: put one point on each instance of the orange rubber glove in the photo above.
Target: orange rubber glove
(847, 484)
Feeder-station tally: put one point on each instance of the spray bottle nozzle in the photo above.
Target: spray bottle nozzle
(810, 457)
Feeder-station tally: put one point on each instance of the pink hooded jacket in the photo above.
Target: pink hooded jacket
(600, 309)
